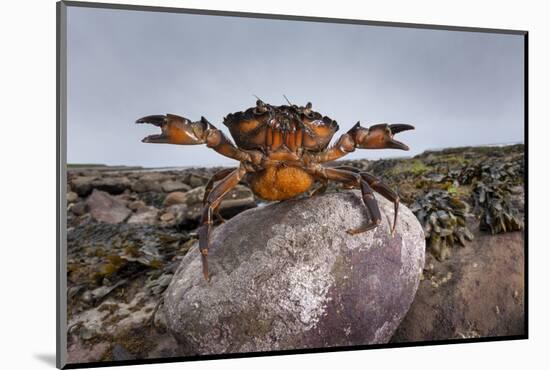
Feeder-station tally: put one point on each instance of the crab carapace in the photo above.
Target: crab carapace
(281, 150)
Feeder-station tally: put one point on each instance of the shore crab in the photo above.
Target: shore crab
(281, 150)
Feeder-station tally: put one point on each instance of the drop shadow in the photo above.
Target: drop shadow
(47, 358)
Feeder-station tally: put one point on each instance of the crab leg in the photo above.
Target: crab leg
(348, 177)
(380, 188)
(220, 175)
(321, 189)
(386, 192)
(212, 202)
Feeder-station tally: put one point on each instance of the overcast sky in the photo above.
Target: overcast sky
(457, 88)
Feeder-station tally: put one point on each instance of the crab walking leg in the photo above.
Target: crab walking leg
(212, 202)
(220, 175)
(321, 189)
(380, 188)
(351, 178)
(386, 192)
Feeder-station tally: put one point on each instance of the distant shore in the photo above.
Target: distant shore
(119, 167)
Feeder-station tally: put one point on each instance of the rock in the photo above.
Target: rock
(288, 276)
(144, 185)
(477, 292)
(79, 208)
(144, 215)
(232, 207)
(113, 185)
(121, 354)
(136, 205)
(237, 200)
(86, 333)
(170, 186)
(167, 217)
(72, 197)
(158, 285)
(157, 177)
(176, 197)
(99, 293)
(106, 208)
(189, 198)
(195, 181)
(150, 182)
(179, 211)
(82, 185)
(82, 352)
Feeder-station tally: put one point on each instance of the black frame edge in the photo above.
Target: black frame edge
(291, 352)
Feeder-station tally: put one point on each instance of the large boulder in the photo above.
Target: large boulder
(288, 276)
(477, 292)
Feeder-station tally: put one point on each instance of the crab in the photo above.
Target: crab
(281, 150)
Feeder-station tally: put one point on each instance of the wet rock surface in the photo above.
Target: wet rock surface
(301, 282)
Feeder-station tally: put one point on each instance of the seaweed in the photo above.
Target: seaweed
(506, 171)
(443, 218)
(495, 208)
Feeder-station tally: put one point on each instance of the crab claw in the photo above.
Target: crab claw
(175, 130)
(380, 136)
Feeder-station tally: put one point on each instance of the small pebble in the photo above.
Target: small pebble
(137, 204)
(167, 217)
(72, 197)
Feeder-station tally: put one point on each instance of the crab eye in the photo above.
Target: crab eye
(261, 108)
(307, 110)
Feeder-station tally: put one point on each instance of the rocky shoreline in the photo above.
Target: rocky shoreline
(128, 230)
